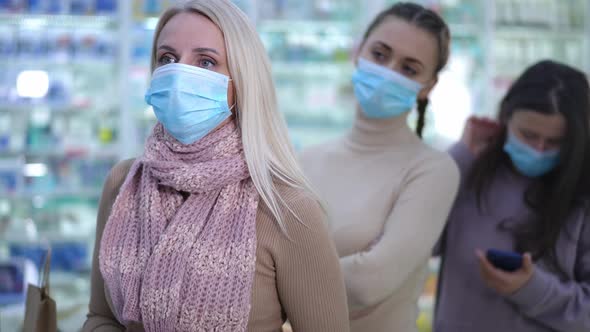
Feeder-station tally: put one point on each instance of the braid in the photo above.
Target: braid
(422, 104)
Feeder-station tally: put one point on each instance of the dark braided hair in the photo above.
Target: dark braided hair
(421, 107)
(428, 20)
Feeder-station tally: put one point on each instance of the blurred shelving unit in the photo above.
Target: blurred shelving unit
(60, 133)
(528, 31)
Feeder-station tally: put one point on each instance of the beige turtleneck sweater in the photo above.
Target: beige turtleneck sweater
(296, 278)
(388, 196)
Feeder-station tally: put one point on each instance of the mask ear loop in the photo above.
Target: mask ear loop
(232, 107)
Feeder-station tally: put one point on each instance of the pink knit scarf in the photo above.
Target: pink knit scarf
(178, 251)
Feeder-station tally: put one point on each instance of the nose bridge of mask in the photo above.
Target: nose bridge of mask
(189, 79)
(525, 148)
(389, 75)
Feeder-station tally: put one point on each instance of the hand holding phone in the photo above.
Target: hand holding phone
(505, 260)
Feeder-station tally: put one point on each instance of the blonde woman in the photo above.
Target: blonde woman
(214, 227)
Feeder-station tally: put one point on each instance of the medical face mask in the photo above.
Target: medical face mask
(383, 93)
(189, 101)
(529, 161)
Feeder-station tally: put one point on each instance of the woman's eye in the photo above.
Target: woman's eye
(166, 59)
(378, 56)
(206, 63)
(409, 71)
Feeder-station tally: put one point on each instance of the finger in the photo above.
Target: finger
(527, 262)
(494, 124)
(483, 260)
(489, 121)
(480, 255)
(484, 265)
(485, 276)
(480, 259)
(480, 124)
(490, 270)
(491, 124)
(488, 278)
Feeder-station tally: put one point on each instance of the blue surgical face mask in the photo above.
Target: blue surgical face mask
(529, 161)
(189, 101)
(383, 93)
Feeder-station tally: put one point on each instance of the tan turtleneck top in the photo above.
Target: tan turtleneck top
(297, 278)
(388, 196)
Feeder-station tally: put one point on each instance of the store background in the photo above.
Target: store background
(73, 74)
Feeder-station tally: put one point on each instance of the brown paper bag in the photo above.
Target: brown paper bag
(40, 310)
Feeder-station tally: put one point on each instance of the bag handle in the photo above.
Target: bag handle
(45, 273)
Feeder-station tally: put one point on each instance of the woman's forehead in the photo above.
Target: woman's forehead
(549, 125)
(406, 40)
(192, 30)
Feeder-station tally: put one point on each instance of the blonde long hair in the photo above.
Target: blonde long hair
(268, 150)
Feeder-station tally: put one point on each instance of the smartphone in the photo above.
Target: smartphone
(505, 260)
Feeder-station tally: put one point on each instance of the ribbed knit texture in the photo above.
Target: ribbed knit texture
(388, 196)
(297, 277)
(179, 249)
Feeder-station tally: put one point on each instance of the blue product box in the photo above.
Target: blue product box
(55, 7)
(36, 6)
(106, 6)
(8, 180)
(11, 5)
(81, 7)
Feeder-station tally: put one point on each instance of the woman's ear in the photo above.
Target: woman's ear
(423, 94)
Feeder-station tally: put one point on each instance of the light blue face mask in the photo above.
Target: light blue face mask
(529, 161)
(189, 101)
(383, 93)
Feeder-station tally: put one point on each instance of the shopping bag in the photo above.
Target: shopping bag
(40, 308)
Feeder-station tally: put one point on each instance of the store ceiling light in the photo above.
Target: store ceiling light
(35, 170)
(32, 84)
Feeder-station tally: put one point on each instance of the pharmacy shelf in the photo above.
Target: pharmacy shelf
(426, 302)
(97, 153)
(337, 27)
(505, 31)
(465, 30)
(319, 69)
(61, 63)
(33, 21)
(82, 107)
(59, 193)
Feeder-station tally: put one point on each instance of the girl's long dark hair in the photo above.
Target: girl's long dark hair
(546, 87)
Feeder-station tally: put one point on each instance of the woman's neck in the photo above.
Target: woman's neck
(380, 134)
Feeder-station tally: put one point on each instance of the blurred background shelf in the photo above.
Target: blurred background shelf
(79, 193)
(27, 20)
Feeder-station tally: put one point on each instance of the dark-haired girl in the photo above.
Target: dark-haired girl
(525, 185)
(387, 193)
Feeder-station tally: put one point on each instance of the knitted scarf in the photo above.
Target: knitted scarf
(178, 251)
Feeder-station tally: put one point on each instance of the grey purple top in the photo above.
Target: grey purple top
(546, 302)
